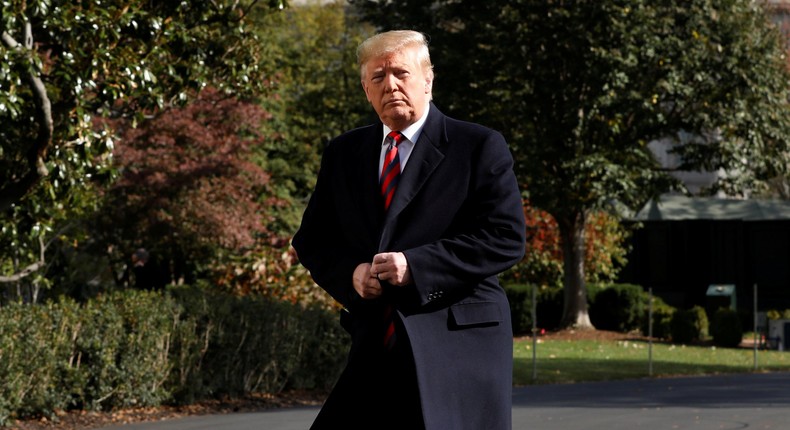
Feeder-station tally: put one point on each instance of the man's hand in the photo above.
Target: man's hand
(391, 267)
(365, 282)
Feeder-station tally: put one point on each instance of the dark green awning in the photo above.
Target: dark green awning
(678, 208)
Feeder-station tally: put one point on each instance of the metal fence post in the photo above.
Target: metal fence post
(755, 326)
(650, 332)
(534, 332)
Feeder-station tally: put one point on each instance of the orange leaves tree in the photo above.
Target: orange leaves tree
(605, 245)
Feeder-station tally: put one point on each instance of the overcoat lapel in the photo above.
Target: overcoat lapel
(426, 155)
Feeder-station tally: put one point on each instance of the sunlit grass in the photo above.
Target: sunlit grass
(566, 361)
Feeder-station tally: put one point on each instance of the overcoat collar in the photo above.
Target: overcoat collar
(428, 152)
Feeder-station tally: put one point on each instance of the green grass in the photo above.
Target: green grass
(567, 361)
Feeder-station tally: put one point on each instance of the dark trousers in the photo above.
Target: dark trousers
(377, 391)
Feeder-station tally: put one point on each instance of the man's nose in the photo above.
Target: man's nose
(390, 83)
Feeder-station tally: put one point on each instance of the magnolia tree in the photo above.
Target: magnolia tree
(63, 62)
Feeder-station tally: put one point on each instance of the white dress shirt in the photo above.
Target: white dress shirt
(411, 134)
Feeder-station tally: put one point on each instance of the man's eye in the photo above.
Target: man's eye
(377, 78)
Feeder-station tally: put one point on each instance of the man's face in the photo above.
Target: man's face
(397, 87)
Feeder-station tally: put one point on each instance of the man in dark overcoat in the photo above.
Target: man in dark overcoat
(410, 222)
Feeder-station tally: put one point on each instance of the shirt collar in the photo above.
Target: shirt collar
(413, 131)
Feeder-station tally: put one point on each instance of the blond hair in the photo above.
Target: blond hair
(394, 41)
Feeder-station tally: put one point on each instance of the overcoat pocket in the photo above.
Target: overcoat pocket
(475, 314)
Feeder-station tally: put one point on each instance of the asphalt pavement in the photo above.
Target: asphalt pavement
(744, 401)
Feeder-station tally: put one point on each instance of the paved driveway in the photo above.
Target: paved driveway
(753, 401)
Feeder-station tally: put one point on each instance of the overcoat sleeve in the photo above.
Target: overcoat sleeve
(319, 242)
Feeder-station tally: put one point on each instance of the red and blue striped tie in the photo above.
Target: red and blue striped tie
(390, 174)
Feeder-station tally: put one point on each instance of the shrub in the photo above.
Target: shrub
(662, 318)
(143, 355)
(701, 321)
(96, 348)
(33, 358)
(146, 348)
(520, 298)
(229, 345)
(689, 325)
(726, 328)
(324, 352)
(549, 307)
(619, 307)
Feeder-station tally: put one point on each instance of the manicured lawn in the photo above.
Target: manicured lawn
(566, 361)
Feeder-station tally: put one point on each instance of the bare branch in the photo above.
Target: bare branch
(8, 40)
(28, 36)
(247, 10)
(42, 261)
(27, 271)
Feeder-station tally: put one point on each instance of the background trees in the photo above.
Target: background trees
(581, 88)
(193, 129)
(604, 242)
(211, 189)
(317, 96)
(62, 63)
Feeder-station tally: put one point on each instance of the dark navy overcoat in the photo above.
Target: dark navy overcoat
(457, 215)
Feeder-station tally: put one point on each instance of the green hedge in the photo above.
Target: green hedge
(662, 318)
(549, 307)
(726, 329)
(259, 345)
(617, 307)
(136, 348)
(688, 325)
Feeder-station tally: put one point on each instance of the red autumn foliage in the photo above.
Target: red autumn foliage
(189, 187)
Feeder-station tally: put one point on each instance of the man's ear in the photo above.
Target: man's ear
(428, 81)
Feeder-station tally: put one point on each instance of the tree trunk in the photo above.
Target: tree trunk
(574, 313)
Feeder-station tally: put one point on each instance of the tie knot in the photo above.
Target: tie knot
(396, 137)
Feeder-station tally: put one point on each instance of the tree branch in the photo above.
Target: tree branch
(42, 261)
(246, 11)
(27, 271)
(12, 192)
